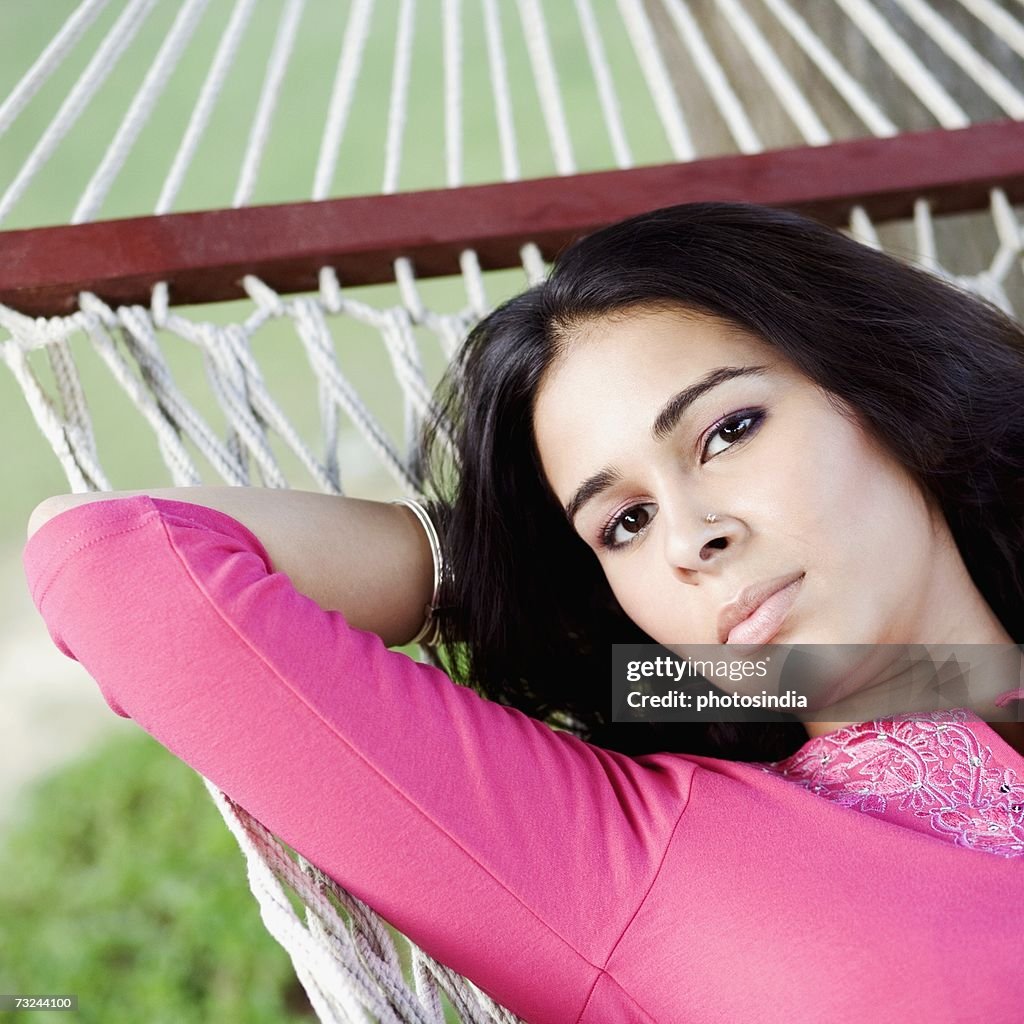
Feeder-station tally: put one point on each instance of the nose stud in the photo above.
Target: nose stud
(711, 518)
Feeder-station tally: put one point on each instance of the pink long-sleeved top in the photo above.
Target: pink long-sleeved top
(875, 875)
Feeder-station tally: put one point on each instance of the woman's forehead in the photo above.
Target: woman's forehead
(613, 376)
(643, 352)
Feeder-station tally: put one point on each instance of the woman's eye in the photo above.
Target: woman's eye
(622, 529)
(628, 524)
(731, 430)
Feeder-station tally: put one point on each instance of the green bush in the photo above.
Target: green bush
(120, 883)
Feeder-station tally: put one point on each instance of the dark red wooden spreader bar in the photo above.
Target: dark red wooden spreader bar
(204, 255)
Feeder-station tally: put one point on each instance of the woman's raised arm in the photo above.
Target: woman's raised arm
(468, 825)
(370, 560)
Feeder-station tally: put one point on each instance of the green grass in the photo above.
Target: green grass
(120, 883)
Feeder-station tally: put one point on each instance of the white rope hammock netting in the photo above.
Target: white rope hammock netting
(558, 89)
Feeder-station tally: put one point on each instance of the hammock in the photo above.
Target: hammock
(895, 120)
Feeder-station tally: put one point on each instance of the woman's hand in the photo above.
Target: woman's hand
(370, 560)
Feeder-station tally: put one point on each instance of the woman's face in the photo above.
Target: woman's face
(797, 486)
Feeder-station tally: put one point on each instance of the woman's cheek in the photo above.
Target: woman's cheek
(639, 599)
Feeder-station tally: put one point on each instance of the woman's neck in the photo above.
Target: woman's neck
(953, 612)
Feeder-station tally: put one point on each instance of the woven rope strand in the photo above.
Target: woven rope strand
(659, 83)
(259, 132)
(610, 107)
(138, 113)
(1000, 22)
(867, 109)
(500, 90)
(208, 96)
(713, 74)
(538, 44)
(49, 60)
(398, 106)
(775, 73)
(349, 64)
(905, 63)
(981, 71)
(100, 65)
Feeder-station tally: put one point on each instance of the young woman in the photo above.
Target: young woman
(712, 422)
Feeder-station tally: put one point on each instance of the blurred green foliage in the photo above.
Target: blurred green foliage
(120, 883)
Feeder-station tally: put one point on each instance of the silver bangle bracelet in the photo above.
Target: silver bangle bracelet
(430, 629)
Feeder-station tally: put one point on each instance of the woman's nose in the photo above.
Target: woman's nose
(696, 541)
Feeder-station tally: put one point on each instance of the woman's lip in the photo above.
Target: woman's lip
(767, 618)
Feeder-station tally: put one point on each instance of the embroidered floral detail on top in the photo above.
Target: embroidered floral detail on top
(929, 772)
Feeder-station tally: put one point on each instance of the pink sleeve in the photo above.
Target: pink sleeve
(515, 854)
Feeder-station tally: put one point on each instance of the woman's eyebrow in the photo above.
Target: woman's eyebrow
(664, 423)
(666, 420)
